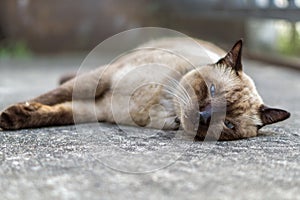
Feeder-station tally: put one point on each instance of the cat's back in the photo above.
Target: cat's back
(167, 56)
(194, 50)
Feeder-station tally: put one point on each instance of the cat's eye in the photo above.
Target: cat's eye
(228, 124)
(212, 90)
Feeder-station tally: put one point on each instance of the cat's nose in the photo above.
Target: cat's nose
(204, 117)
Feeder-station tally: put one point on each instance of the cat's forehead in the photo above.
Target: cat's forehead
(235, 88)
(221, 76)
(225, 77)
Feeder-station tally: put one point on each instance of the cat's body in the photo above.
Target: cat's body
(164, 84)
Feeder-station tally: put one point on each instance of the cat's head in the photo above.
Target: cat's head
(223, 101)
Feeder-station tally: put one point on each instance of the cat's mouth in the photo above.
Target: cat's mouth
(203, 121)
(209, 129)
(204, 117)
(202, 132)
(212, 132)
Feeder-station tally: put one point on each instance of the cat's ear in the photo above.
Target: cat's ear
(234, 57)
(272, 115)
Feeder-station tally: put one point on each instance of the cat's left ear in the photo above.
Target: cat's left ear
(272, 115)
(234, 57)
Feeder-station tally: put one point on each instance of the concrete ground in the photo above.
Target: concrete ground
(103, 161)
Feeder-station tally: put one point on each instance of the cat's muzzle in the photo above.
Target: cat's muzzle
(204, 118)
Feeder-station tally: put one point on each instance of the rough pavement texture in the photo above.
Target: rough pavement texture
(103, 161)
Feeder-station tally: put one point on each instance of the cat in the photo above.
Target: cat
(163, 84)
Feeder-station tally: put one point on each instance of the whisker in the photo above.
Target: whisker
(173, 87)
(179, 98)
(180, 89)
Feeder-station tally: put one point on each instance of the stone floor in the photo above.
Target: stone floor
(103, 161)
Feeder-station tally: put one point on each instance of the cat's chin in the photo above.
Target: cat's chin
(202, 134)
(205, 137)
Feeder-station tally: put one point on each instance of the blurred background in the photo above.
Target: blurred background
(270, 28)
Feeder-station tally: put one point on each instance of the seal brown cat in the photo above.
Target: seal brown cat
(163, 84)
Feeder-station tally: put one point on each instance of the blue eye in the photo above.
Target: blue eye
(212, 90)
(228, 124)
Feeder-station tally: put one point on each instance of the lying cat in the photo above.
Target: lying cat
(163, 84)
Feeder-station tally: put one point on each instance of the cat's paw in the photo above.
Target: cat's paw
(18, 116)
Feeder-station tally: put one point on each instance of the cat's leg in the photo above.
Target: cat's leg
(33, 114)
(30, 115)
(85, 86)
(56, 106)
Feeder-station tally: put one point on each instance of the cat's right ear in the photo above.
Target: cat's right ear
(272, 115)
(233, 58)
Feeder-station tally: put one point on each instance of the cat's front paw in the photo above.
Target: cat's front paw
(18, 116)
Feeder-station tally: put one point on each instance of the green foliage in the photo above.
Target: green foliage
(15, 50)
(289, 42)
